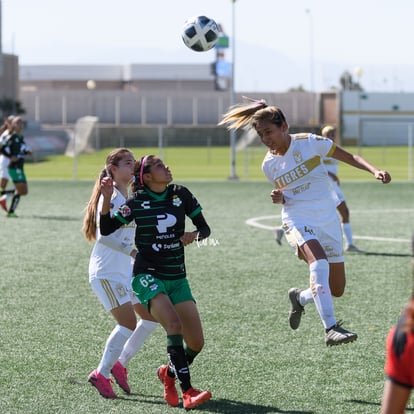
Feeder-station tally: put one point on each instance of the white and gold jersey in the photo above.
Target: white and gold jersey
(303, 179)
(110, 258)
(331, 164)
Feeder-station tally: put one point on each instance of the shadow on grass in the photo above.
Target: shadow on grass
(238, 407)
(372, 403)
(56, 218)
(221, 406)
(386, 254)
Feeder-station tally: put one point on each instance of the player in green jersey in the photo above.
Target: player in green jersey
(159, 210)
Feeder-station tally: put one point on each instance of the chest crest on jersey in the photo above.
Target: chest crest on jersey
(125, 210)
(297, 157)
(176, 201)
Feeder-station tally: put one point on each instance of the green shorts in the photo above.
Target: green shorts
(17, 175)
(146, 287)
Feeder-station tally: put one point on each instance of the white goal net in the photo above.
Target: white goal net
(82, 136)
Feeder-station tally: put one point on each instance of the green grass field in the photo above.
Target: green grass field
(53, 329)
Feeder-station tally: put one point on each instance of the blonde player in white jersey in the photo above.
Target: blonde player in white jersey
(331, 164)
(110, 274)
(294, 166)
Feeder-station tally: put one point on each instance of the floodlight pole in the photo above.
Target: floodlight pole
(233, 175)
(312, 67)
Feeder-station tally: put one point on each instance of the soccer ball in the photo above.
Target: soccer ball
(200, 33)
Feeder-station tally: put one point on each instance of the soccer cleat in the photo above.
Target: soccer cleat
(193, 398)
(170, 392)
(3, 203)
(353, 249)
(12, 215)
(102, 384)
(279, 236)
(337, 335)
(120, 374)
(295, 313)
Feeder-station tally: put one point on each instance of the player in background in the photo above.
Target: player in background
(7, 130)
(399, 363)
(15, 149)
(110, 274)
(331, 165)
(159, 210)
(293, 164)
(279, 235)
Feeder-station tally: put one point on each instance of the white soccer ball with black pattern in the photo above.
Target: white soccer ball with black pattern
(200, 33)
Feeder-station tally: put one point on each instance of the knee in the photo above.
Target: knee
(173, 327)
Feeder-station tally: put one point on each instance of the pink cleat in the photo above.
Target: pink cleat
(120, 374)
(102, 384)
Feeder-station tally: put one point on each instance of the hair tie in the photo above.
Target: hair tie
(257, 102)
(141, 170)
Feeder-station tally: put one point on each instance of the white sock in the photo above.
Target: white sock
(306, 296)
(136, 340)
(319, 282)
(347, 230)
(113, 349)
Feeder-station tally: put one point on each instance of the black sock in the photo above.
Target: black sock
(178, 360)
(14, 203)
(190, 354)
(2, 192)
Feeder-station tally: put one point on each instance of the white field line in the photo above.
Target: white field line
(256, 222)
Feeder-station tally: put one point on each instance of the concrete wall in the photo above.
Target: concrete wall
(376, 118)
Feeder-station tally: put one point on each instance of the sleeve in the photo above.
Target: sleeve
(115, 243)
(5, 148)
(202, 227)
(324, 146)
(193, 211)
(192, 206)
(25, 148)
(112, 240)
(265, 169)
(13, 145)
(108, 224)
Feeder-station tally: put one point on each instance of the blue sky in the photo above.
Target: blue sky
(278, 44)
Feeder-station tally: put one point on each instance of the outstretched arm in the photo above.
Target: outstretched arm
(361, 163)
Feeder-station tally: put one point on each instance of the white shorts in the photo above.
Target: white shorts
(4, 170)
(329, 236)
(338, 192)
(113, 294)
